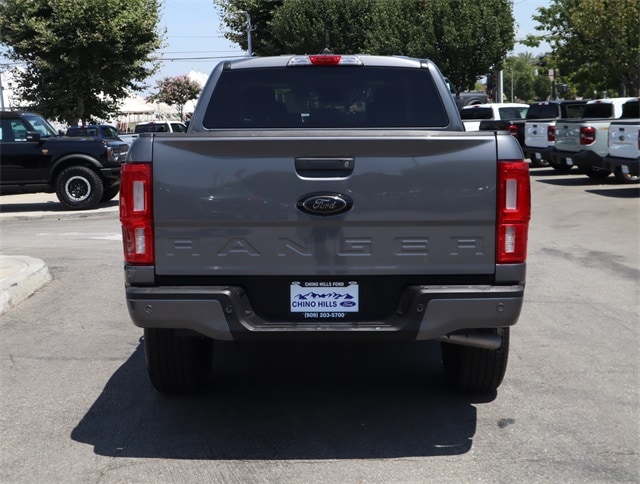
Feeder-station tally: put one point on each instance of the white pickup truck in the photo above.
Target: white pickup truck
(540, 127)
(154, 127)
(623, 158)
(584, 142)
(473, 115)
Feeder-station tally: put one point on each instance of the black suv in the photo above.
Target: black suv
(34, 158)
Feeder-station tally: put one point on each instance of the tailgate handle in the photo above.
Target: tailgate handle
(324, 167)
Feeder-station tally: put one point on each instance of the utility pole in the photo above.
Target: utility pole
(1, 94)
(553, 73)
(250, 28)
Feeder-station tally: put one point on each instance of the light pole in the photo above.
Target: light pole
(512, 84)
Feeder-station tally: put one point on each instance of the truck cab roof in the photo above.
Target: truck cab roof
(365, 60)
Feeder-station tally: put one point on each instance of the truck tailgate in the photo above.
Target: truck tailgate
(567, 136)
(623, 139)
(228, 205)
(536, 134)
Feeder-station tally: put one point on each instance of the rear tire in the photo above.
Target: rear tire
(625, 178)
(476, 370)
(541, 163)
(178, 364)
(597, 173)
(560, 167)
(79, 188)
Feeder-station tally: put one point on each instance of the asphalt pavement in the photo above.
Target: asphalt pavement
(21, 275)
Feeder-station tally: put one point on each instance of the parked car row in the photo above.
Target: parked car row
(82, 166)
(603, 140)
(540, 127)
(107, 131)
(600, 137)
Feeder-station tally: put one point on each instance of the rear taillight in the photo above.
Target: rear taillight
(551, 134)
(136, 213)
(514, 212)
(513, 129)
(587, 135)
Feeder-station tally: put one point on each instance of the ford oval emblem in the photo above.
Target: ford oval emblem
(324, 203)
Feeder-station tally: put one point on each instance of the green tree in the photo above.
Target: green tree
(465, 38)
(471, 37)
(308, 26)
(176, 91)
(595, 42)
(402, 27)
(530, 82)
(80, 56)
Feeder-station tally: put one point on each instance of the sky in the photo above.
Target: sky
(194, 40)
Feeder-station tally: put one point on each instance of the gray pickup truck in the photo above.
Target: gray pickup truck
(325, 197)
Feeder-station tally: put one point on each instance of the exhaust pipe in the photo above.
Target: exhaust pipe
(477, 340)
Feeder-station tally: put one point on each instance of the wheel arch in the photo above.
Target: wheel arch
(74, 159)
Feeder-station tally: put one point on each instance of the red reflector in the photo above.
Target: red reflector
(136, 213)
(325, 60)
(514, 212)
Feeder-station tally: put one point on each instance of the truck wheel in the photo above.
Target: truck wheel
(79, 188)
(539, 163)
(476, 370)
(177, 364)
(626, 178)
(597, 173)
(560, 167)
(109, 193)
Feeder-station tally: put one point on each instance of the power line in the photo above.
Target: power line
(195, 36)
(200, 52)
(173, 59)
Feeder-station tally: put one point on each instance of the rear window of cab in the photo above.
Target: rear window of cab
(325, 97)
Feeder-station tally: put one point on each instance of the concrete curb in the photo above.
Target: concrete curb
(20, 277)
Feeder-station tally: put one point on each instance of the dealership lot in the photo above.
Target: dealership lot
(76, 404)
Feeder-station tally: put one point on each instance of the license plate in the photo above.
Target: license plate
(569, 161)
(625, 169)
(324, 297)
(538, 156)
